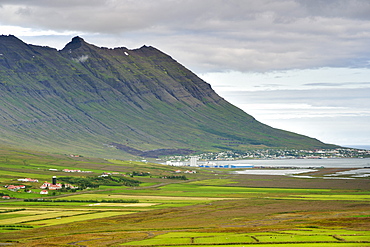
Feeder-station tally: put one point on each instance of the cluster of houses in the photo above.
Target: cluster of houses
(45, 186)
(68, 170)
(193, 161)
(54, 186)
(57, 186)
(8, 197)
(14, 187)
(107, 174)
(187, 171)
(74, 155)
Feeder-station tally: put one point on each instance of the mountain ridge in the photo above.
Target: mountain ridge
(84, 98)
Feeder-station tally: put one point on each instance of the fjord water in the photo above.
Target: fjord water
(301, 163)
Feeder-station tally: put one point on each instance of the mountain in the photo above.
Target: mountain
(106, 102)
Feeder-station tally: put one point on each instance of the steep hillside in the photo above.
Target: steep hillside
(109, 102)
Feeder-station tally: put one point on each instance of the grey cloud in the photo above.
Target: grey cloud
(357, 9)
(215, 35)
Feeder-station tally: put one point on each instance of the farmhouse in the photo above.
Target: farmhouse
(170, 163)
(28, 180)
(57, 186)
(15, 187)
(47, 185)
(44, 192)
(67, 170)
(187, 171)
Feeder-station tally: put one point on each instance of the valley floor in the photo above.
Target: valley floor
(210, 208)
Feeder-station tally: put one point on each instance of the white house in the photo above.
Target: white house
(170, 163)
(190, 171)
(57, 186)
(193, 160)
(28, 180)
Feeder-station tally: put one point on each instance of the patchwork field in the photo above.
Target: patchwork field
(299, 237)
(164, 209)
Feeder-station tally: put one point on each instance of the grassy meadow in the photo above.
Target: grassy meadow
(209, 208)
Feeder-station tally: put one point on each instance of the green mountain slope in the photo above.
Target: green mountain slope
(106, 102)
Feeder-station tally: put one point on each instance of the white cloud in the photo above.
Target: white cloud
(81, 59)
(335, 115)
(336, 130)
(29, 32)
(321, 78)
(266, 112)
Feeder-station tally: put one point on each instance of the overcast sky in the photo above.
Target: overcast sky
(298, 65)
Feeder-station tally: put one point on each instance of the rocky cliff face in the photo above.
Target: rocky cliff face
(105, 102)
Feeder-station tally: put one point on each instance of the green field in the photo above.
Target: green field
(282, 238)
(204, 210)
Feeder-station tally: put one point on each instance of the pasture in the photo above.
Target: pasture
(206, 209)
(300, 237)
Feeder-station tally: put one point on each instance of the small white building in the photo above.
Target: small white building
(193, 160)
(190, 172)
(28, 180)
(177, 163)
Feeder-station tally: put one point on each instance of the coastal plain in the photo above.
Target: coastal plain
(210, 207)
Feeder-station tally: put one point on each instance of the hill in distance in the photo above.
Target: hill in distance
(118, 103)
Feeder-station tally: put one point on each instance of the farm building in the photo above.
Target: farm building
(15, 187)
(56, 186)
(28, 180)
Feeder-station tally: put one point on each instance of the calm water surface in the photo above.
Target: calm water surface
(301, 163)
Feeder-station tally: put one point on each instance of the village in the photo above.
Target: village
(49, 188)
(45, 187)
(201, 160)
(274, 154)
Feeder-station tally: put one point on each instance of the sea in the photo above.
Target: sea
(293, 167)
(297, 163)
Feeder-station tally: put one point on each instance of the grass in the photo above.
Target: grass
(329, 197)
(232, 210)
(11, 216)
(195, 189)
(284, 238)
(284, 245)
(149, 201)
(66, 218)
(214, 182)
(38, 217)
(93, 104)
